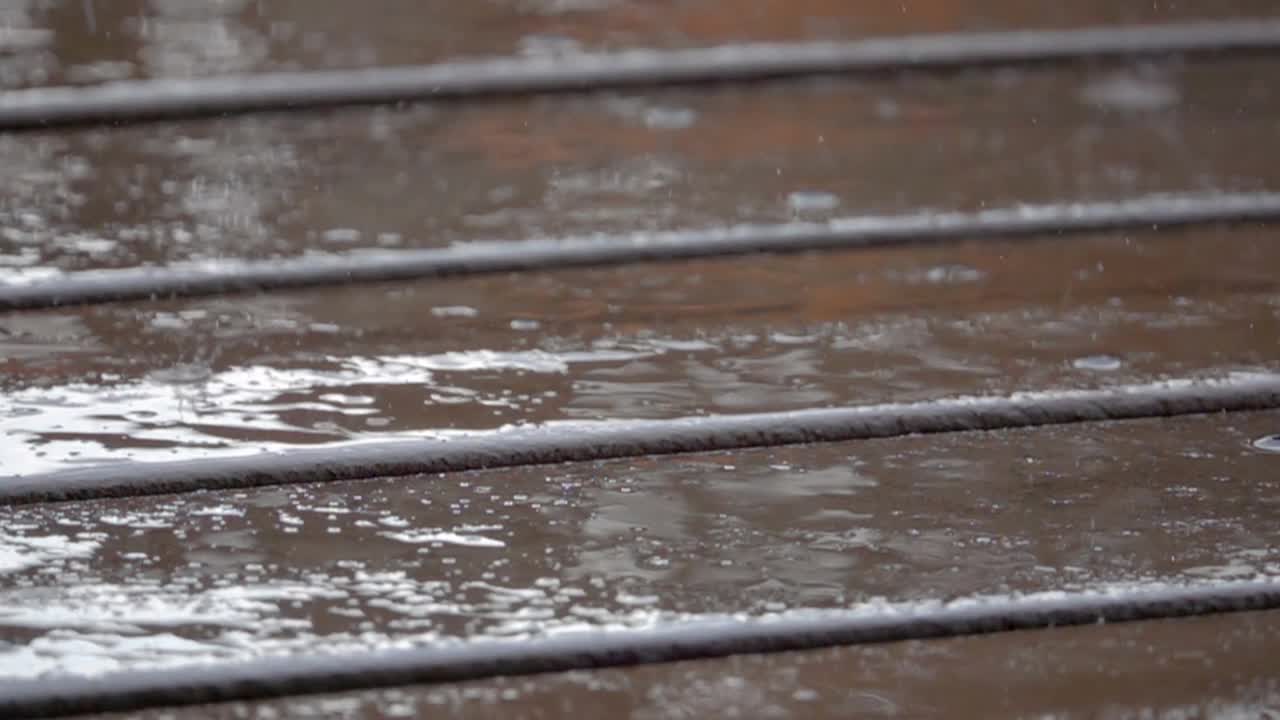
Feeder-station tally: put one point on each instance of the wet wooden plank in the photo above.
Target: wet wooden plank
(330, 184)
(219, 577)
(229, 376)
(71, 41)
(1205, 667)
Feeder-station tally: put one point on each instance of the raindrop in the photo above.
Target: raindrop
(1268, 443)
(1101, 363)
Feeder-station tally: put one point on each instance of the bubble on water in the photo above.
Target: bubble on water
(1269, 443)
(807, 201)
(221, 510)
(454, 311)
(420, 537)
(625, 598)
(347, 400)
(169, 321)
(660, 118)
(937, 275)
(1101, 363)
(139, 520)
(1128, 92)
(341, 235)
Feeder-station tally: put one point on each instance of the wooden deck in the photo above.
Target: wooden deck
(906, 362)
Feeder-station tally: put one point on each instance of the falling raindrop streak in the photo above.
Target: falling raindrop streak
(90, 19)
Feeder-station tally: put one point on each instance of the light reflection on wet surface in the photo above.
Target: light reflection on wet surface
(1216, 667)
(107, 585)
(331, 183)
(154, 381)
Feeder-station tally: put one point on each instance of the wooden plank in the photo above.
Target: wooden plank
(363, 567)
